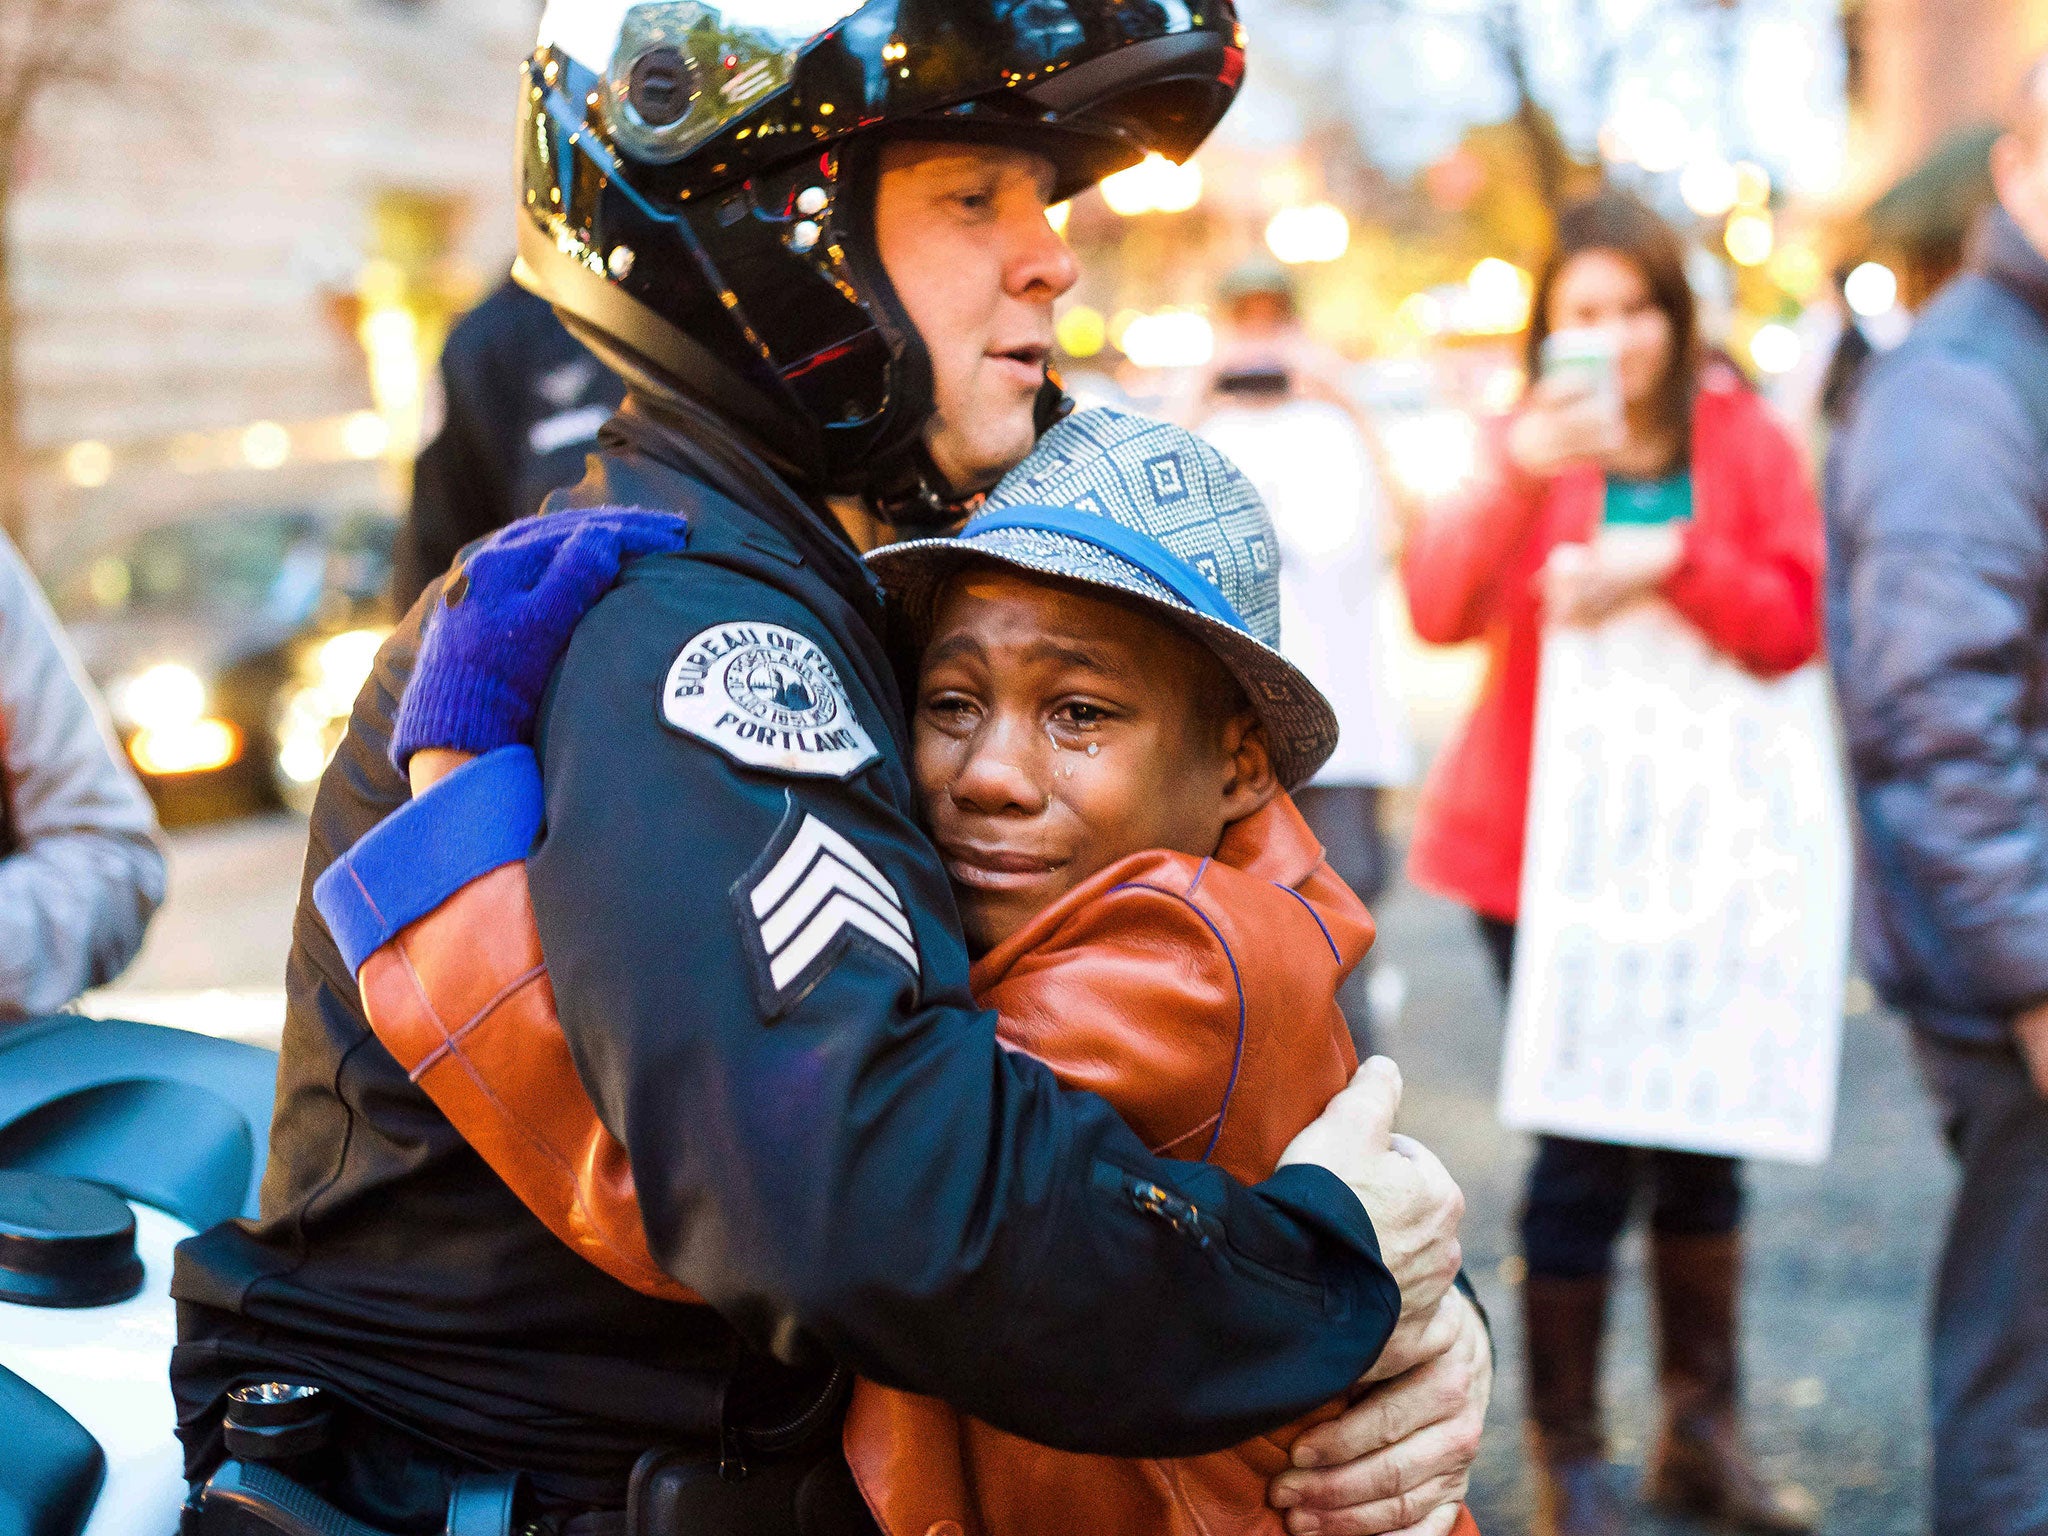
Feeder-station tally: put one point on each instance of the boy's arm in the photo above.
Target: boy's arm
(430, 765)
(502, 624)
(1134, 999)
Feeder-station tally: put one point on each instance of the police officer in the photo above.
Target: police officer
(811, 239)
(523, 401)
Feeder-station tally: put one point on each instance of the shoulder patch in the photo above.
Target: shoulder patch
(809, 897)
(767, 697)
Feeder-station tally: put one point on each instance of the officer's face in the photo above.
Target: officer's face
(963, 234)
(1058, 731)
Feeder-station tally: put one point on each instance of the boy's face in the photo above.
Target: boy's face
(1059, 731)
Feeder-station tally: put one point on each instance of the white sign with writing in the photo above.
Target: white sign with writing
(1685, 900)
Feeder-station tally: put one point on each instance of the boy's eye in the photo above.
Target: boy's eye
(950, 710)
(1080, 712)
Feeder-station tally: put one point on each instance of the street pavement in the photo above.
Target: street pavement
(228, 920)
(1840, 1254)
(214, 958)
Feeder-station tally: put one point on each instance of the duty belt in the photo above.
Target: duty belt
(276, 1431)
(247, 1498)
(279, 1434)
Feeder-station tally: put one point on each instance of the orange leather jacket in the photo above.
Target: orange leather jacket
(1198, 996)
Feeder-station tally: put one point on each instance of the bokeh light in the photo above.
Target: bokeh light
(1776, 348)
(1154, 185)
(1872, 290)
(1313, 232)
(159, 698)
(266, 445)
(1081, 331)
(1710, 187)
(1499, 294)
(1422, 313)
(1433, 453)
(1652, 132)
(365, 435)
(1503, 389)
(1796, 267)
(89, 465)
(1446, 55)
(203, 746)
(1170, 339)
(1751, 237)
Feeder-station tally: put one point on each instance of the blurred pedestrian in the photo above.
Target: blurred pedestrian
(1938, 618)
(81, 873)
(1278, 411)
(1263, 336)
(1723, 527)
(524, 400)
(1849, 361)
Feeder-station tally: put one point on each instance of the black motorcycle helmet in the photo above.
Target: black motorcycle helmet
(699, 187)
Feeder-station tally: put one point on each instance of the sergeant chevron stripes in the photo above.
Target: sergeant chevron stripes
(818, 889)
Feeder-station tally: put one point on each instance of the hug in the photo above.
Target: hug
(784, 1042)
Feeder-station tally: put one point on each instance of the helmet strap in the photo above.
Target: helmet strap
(898, 479)
(891, 471)
(917, 499)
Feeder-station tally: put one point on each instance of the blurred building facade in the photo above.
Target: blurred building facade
(1924, 71)
(236, 257)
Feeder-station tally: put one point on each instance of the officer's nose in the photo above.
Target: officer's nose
(1002, 774)
(1041, 266)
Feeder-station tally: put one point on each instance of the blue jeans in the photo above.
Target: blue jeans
(1990, 1341)
(1581, 1193)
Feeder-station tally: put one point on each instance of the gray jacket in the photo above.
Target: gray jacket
(1938, 633)
(81, 872)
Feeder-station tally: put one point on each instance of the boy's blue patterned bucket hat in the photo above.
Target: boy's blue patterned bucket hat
(1149, 510)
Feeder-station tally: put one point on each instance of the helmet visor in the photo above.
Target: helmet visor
(589, 31)
(722, 91)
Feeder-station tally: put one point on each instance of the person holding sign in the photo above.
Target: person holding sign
(1625, 430)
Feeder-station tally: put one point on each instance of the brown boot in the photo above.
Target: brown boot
(1562, 1324)
(1699, 1466)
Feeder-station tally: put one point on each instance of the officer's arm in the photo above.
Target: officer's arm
(764, 986)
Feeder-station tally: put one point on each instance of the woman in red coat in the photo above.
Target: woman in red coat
(1728, 533)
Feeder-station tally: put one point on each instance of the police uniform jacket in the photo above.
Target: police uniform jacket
(827, 1142)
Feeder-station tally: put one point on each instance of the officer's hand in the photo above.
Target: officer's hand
(1414, 1203)
(1399, 1460)
(504, 621)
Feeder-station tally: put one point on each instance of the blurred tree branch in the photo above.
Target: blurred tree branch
(1500, 27)
(44, 44)
(1506, 29)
